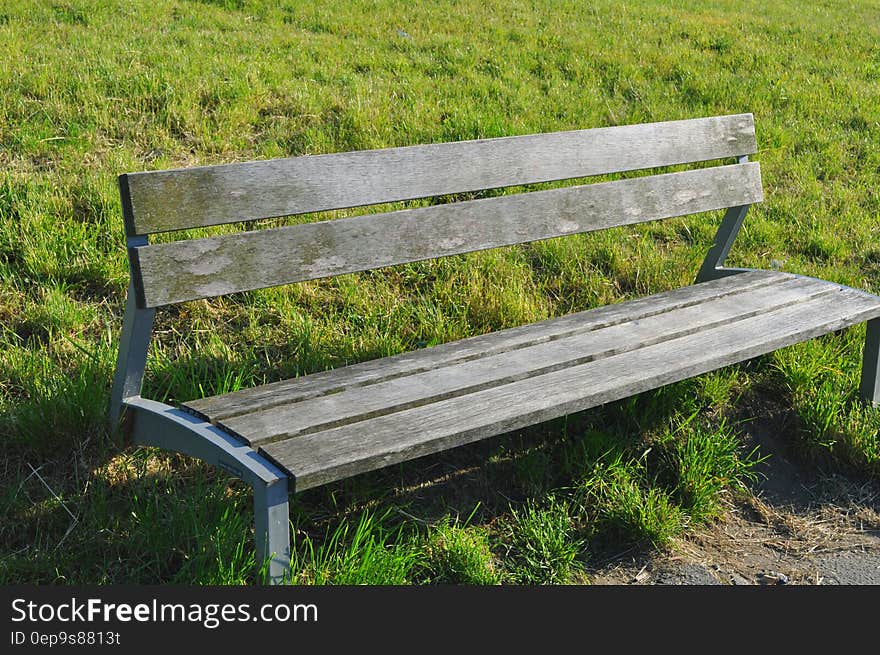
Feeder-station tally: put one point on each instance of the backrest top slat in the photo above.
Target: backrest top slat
(160, 201)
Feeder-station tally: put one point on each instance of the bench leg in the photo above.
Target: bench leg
(137, 326)
(870, 388)
(272, 529)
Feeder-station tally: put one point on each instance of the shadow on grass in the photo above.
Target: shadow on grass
(804, 466)
(101, 512)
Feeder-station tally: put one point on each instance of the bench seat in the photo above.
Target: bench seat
(334, 424)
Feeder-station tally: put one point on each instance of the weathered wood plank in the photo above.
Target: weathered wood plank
(442, 382)
(322, 457)
(187, 270)
(217, 408)
(210, 195)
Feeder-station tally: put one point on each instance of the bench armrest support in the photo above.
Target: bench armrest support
(153, 423)
(713, 265)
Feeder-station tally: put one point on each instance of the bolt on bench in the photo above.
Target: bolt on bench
(299, 433)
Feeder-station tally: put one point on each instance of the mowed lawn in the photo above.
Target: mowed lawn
(92, 89)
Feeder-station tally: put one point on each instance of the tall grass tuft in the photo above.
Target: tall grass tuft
(458, 554)
(365, 553)
(704, 465)
(542, 546)
(619, 503)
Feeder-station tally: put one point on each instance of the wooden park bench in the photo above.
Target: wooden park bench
(295, 434)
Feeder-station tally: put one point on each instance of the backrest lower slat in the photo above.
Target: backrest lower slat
(160, 201)
(187, 270)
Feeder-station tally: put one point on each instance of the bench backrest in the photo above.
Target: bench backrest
(162, 201)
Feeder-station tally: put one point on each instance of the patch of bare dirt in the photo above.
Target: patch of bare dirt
(797, 526)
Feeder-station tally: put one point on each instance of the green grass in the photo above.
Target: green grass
(459, 554)
(361, 552)
(704, 465)
(541, 545)
(94, 88)
(624, 505)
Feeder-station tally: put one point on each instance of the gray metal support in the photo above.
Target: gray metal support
(137, 327)
(272, 529)
(712, 267)
(870, 387)
(157, 424)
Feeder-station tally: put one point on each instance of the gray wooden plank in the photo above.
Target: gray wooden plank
(322, 457)
(217, 408)
(158, 201)
(447, 381)
(188, 270)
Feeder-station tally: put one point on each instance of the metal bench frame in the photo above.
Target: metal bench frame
(151, 423)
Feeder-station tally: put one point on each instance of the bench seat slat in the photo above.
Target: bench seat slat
(442, 382)
(188, 270)
(255, 399)
(158, 201)
(322, 457)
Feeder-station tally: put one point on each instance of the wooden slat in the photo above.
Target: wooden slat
(187, 270)
(159, 201)
(322, 457)
(245, 401)
(400, 393)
